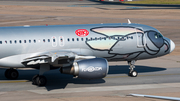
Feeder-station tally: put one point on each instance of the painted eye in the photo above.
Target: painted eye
(156, 38)
(157, 35)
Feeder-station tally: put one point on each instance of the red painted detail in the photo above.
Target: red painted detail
(46, 24)
(102, 0)
(81, 32)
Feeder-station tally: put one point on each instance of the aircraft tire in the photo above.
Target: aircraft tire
(12, 74)
(133, 74)
(34, 79)
(41, 80)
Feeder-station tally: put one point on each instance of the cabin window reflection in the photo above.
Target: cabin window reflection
(48, 40)
(19, 41)
(43, 40)
(77, 39)
(86, 39)
(81, 39)
(54, 40)
(29, 41)
(6, 42)
(10, 42)
(0, 42)
(24, 41)
(72, 39)
(34, 41)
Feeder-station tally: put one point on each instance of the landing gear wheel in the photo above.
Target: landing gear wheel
(133, 74)
(11, 74)
(41, 80)
(34, 79)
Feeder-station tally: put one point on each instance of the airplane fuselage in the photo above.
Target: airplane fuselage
(115, 42)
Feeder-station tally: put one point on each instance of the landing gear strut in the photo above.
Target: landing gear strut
(39, 79)
(11, 74)
(132, 72)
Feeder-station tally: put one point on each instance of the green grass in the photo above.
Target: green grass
(177, 2)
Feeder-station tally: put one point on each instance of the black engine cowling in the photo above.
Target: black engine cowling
(88, 69)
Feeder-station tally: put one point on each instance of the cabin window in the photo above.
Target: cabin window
(48, 40)
(44, 40)
(29, 41)
(72, 39)
(77, 39)
(81, 39)
(15, 41)
(34, 41)
(86, 39)
(91, 38)
(0, 42)
(24, 41)
(68, 39)
(54, 40)
(10, 42)
(6, 42)
(19, 41)
(95, 38)
(61, 40)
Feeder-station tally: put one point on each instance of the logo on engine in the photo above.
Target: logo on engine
(91, 69)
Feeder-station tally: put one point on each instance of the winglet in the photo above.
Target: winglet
(129, 22)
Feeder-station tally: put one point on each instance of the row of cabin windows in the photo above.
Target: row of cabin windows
(26, 41)
(54, 40)
(82, 39)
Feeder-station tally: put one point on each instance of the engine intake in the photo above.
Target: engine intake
(88, 69)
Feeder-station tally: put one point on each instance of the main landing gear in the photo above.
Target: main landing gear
(11, 74)
(39, 79)
(132, 72)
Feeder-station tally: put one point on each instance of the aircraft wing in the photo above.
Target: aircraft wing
(48, 57)
(55, 58)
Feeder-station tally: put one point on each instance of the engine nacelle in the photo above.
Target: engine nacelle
(88, 69)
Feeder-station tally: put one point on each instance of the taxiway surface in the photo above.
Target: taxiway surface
(159, 76)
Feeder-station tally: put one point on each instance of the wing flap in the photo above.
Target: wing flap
(50, 57)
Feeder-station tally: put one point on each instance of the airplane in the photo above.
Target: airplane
(79, 50)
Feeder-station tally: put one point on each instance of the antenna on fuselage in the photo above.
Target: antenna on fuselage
(129, 22)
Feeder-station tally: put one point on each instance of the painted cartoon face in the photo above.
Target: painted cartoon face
(129, 42)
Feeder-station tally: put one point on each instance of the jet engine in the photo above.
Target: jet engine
(88, 68)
